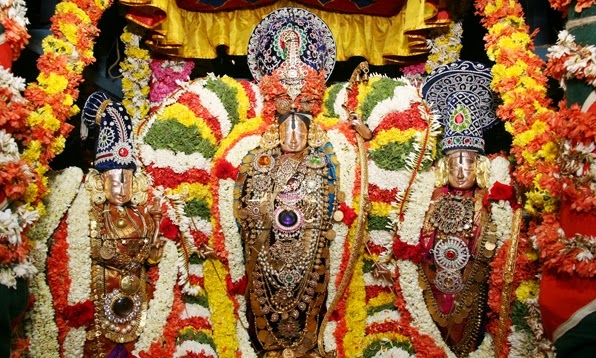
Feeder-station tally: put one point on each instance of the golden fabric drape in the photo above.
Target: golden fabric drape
(188, 34)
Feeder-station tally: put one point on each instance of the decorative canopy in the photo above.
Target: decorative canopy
(368, 7)
(397, 33)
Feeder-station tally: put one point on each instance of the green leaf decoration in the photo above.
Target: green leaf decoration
(385, 345)
(328, 105)
(519, 316)
(197, 336)
(375, 309)
(201, 299)
(367, 266)
(198, 207)
(378, 223)
(227, 95)
(381, 90)
(392, 156)
(175, 136)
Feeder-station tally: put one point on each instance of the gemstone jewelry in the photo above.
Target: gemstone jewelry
(451, 254)
(453, 213)
(286, 229)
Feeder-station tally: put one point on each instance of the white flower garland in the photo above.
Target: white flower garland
(499, 171)
(186, 347)
(347, 157)
(522, 344)
(259, 100)
(401, 100)
(42, 328)
(15, 85)
(62, 190)
(501, 211)
(79, 266)
(40, 325)
(393, 352)
(241, 332)
(13, 221)
(421, 319)
(384, 316)
(241, 148)
(336, 249)
(386, 179)
(329, 337)
(178, 162)
(175, 212)
(233, 240)
(163, 299)
(338, 105)
(580, 63)
(213, 104)
(419, 200)
(444, 48)
(17, 11)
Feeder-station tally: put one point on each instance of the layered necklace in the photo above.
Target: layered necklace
(288, 218)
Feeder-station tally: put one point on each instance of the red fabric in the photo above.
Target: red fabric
(573, 222)
(367, 7)
(147, 16)
(6, 56)
(560, 297)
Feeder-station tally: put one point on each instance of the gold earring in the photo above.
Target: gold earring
(316, 136)
(270, 138)
(442, 176)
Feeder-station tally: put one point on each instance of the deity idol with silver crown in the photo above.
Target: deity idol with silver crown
(458, 237)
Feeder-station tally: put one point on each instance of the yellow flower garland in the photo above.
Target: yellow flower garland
(187, 117)
(221, 307)
(192, 191)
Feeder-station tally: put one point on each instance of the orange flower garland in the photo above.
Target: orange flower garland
(563, 5)
(519, 81)
(52, 99)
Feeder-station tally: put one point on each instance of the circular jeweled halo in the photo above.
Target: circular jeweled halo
(317, 47)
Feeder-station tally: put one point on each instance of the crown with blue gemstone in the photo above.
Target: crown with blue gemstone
(460, 92)
(114, 148)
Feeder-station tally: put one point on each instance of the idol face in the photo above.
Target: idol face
(293, 134)
(117, 184)
(462, 169)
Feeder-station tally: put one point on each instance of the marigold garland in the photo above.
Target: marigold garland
(445, 46)
(135, 76)
(563, 5)
(519, 81)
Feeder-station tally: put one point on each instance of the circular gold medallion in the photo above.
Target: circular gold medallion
(106, 252)
(330, 234)
(121, 223)
(130, 284)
